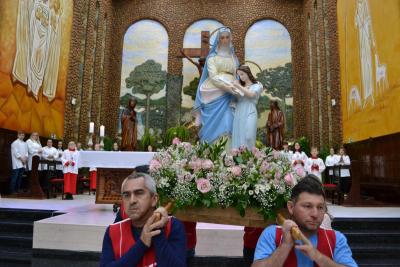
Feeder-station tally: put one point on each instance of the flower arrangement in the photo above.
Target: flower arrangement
(206, 175)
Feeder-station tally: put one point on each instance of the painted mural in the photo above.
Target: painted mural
(143, 75)
(369, 39)
(34, 47)
(268, 54)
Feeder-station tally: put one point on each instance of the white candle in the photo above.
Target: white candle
(91, 127)
(102, 129)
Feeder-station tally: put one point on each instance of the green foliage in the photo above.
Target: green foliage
(148, 139)
(179, 131)
(324, 152)
(108, 143)
(305, 145)
(191, 89)
(278, 80)
(148, 79)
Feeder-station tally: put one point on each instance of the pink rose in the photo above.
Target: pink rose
(264, 167)
(236, 170)
(195, 164)
(235, 152)
(176, 141)
(207, 164)
(255, 150)
(242, 148)
(300, 171)
(187, 146)
(203, 185)
(154, 165)
(289, 179)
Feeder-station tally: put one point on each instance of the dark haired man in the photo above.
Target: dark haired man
(276, 246)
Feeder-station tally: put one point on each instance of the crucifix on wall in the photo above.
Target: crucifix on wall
(200, 53)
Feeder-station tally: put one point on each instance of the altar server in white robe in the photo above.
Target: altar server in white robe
(345, 180)
(315, 165)
(93, 172)
(299, 159)
(286, 153)
(330, 161)
(49, 153)
(19, 157)
(34, 149)
(60, 152)
(70, 160)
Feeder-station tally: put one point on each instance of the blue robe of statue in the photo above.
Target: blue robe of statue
(212, 104)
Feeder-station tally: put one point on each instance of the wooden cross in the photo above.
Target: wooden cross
(201, 52)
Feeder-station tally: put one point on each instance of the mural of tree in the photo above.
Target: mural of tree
(148, 79)
(278, 81)
(191, 89)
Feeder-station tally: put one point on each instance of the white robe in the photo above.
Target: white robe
(59, 158)
(288, 155)
(330, 162)
(70, 156)
(321, 167)
(18, 149)
(346, 162)
(298, 156)
(49, 153)
(33, 149)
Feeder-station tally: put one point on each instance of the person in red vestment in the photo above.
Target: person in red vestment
(93, 172)
(69, 161)
(148, 237)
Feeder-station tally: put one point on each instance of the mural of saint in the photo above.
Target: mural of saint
(38, 44)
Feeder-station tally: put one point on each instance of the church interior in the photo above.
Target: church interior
(93, 91)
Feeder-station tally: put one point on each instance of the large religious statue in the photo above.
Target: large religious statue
(38, 43)
(129, 127)
(212, 107)
(275, 126)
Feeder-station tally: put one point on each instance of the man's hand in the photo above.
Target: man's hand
(149, 230)
(161, 216)
(287, 238)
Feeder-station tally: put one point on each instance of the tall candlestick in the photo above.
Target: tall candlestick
(91, 127)
(102, 129)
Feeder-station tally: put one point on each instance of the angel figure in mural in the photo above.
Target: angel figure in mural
(212, 108)
(38, 43)
(366, 43)
(51, 74)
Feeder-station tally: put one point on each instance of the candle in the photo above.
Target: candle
(91, 127)
(102, 128)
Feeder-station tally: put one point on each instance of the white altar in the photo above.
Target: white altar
(116, 160)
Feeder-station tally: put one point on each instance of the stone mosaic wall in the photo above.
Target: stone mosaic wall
(100, 81)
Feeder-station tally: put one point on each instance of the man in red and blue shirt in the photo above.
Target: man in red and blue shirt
(276, 247)
(143, 240)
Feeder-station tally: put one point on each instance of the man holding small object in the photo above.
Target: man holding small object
(148, 237)
(279, 246)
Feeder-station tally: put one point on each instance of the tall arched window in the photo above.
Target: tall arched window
(143, 74)
(268, 54)
(190, 72)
